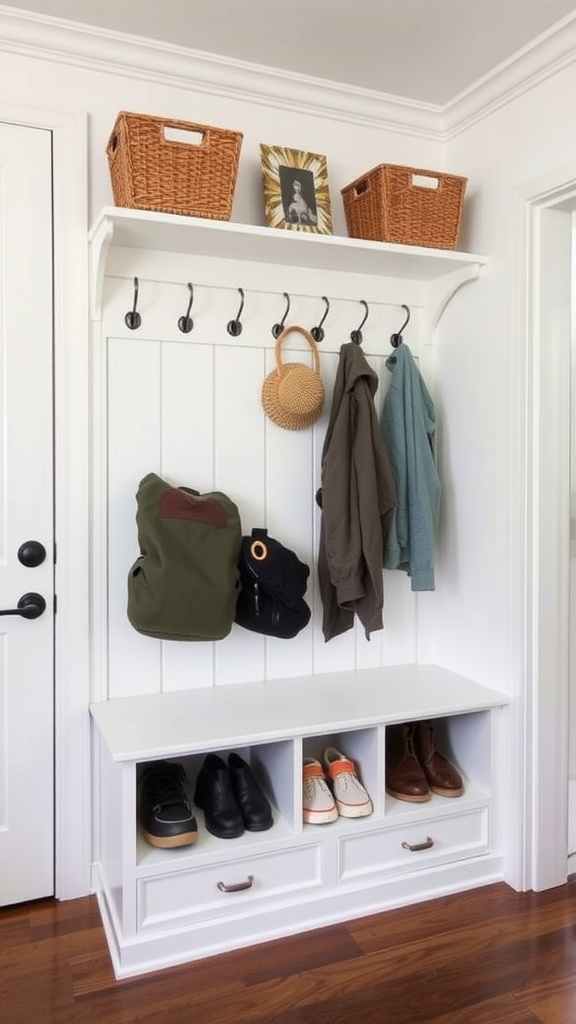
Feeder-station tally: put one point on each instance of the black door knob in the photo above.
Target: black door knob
(31, 553)
(30, 606)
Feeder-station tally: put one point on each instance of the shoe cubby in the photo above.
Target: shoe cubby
(466, 742)
(272, 767)
(166, 906)
(364, 748)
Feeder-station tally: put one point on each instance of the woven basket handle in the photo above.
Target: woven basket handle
(306, 334)
(156, 126)
(186, 128)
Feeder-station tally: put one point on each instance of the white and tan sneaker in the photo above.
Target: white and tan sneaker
(352, 800)
(318, 807)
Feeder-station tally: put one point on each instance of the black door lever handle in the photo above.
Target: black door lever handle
(30, 606)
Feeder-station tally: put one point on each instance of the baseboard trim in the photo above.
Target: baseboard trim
(144, 953)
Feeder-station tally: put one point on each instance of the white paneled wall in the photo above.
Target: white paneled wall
(187, 406)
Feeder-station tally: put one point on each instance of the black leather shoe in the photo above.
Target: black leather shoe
(254, 807)
(164, 810)
(215, 796)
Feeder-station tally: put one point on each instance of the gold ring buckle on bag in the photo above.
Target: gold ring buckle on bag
(259, 551)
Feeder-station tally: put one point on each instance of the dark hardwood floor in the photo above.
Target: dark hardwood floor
(490, 956)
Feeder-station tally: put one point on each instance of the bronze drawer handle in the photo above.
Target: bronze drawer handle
(414, 847)
(238, 886)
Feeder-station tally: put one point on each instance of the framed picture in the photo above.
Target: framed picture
(296, 193)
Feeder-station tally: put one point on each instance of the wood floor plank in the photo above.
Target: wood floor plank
(490, 956)
(51, 919)
(492, 903)
(556, 1009)
(550, 992)
(93, 978)
(15, 932)
(501, 1010)
(299, 953)
(35, 985)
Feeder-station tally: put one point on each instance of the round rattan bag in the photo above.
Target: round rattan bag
(293, 394)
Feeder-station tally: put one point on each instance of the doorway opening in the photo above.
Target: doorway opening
(551, 204)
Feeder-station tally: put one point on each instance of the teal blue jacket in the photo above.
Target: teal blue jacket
(408, 428)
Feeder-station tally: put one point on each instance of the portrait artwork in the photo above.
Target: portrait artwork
(296, 192)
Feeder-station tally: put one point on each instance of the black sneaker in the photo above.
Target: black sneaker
(165, 814)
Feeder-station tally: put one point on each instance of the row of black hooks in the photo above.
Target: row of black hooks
(133, 320)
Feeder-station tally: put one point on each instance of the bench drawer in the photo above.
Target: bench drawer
(226, 888)
(413, 846)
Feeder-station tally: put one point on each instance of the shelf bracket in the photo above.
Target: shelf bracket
(442, 290)
(99, 244)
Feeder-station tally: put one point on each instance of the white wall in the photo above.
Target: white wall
(478, 613)
(485, 591)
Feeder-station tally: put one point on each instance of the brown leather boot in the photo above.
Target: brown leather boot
(443, 778)
(405, 778)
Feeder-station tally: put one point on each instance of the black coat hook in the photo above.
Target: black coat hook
(133, 318)
(356, 336)
(234, 326)
(278, 328)
(396, 339)
(186, 323)
(318, 332)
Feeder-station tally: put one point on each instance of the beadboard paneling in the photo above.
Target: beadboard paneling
(187, 406)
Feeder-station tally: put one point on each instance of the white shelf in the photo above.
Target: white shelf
(184, 722)
(208, 849)
(140, 229)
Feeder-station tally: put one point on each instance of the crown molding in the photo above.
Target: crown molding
(67, 42)
(544, 57)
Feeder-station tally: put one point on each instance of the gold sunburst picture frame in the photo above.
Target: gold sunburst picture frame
(296, 191)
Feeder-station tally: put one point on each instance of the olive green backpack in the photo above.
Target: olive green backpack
(185, 584)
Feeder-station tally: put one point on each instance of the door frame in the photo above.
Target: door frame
(548, 204)
(72, 826)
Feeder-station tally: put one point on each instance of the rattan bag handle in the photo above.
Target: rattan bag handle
(309, 339)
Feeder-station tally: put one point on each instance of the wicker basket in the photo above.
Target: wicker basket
(149, 172)
(388, 204)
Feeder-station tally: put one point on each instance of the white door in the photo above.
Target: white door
(26, 515)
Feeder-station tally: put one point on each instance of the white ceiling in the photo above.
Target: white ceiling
(429, 51)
